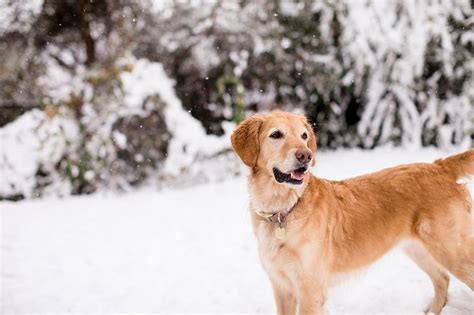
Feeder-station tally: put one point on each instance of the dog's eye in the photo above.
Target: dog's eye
(304, 136)
(276, 134)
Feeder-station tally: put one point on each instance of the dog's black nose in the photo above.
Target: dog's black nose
(303, 155)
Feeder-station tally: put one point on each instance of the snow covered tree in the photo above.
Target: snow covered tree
(419, 58)
(366, 73)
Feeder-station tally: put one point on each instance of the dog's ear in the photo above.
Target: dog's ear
(245, 139)
(312, 139)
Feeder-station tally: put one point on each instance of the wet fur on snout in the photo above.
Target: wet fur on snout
(336, 227)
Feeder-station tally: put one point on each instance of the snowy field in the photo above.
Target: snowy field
(188, 250)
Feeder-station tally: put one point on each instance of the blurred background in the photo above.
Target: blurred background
(101, 94)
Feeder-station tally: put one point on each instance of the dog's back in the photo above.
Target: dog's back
(376, 211)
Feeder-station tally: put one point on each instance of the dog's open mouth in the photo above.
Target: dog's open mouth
(295, 177)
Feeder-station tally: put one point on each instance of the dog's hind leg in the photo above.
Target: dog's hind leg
(461, 262)
(439, 277)
(450, 241)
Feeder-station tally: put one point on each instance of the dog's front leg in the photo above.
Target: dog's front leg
(311, 297)
(284, 298)
(312, 300)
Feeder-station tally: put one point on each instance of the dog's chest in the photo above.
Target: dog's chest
(276, 255)
(269, 244)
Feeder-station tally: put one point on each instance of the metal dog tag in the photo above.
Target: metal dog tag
(280, 233)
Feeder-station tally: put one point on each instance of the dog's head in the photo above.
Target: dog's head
(280, 143)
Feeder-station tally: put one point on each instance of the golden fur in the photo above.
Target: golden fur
(336, 227)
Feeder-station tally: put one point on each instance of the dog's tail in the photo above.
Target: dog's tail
(460, 165)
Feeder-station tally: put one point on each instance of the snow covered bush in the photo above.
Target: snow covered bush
(114, 133)
(31, 148)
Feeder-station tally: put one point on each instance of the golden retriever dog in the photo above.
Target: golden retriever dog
(310, 231)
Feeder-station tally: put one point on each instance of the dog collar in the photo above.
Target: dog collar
(279, 218)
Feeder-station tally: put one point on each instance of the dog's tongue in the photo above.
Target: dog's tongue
(297, 175)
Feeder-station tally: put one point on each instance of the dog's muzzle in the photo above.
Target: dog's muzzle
(295, 177)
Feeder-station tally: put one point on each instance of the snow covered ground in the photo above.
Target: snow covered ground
(187, 250)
